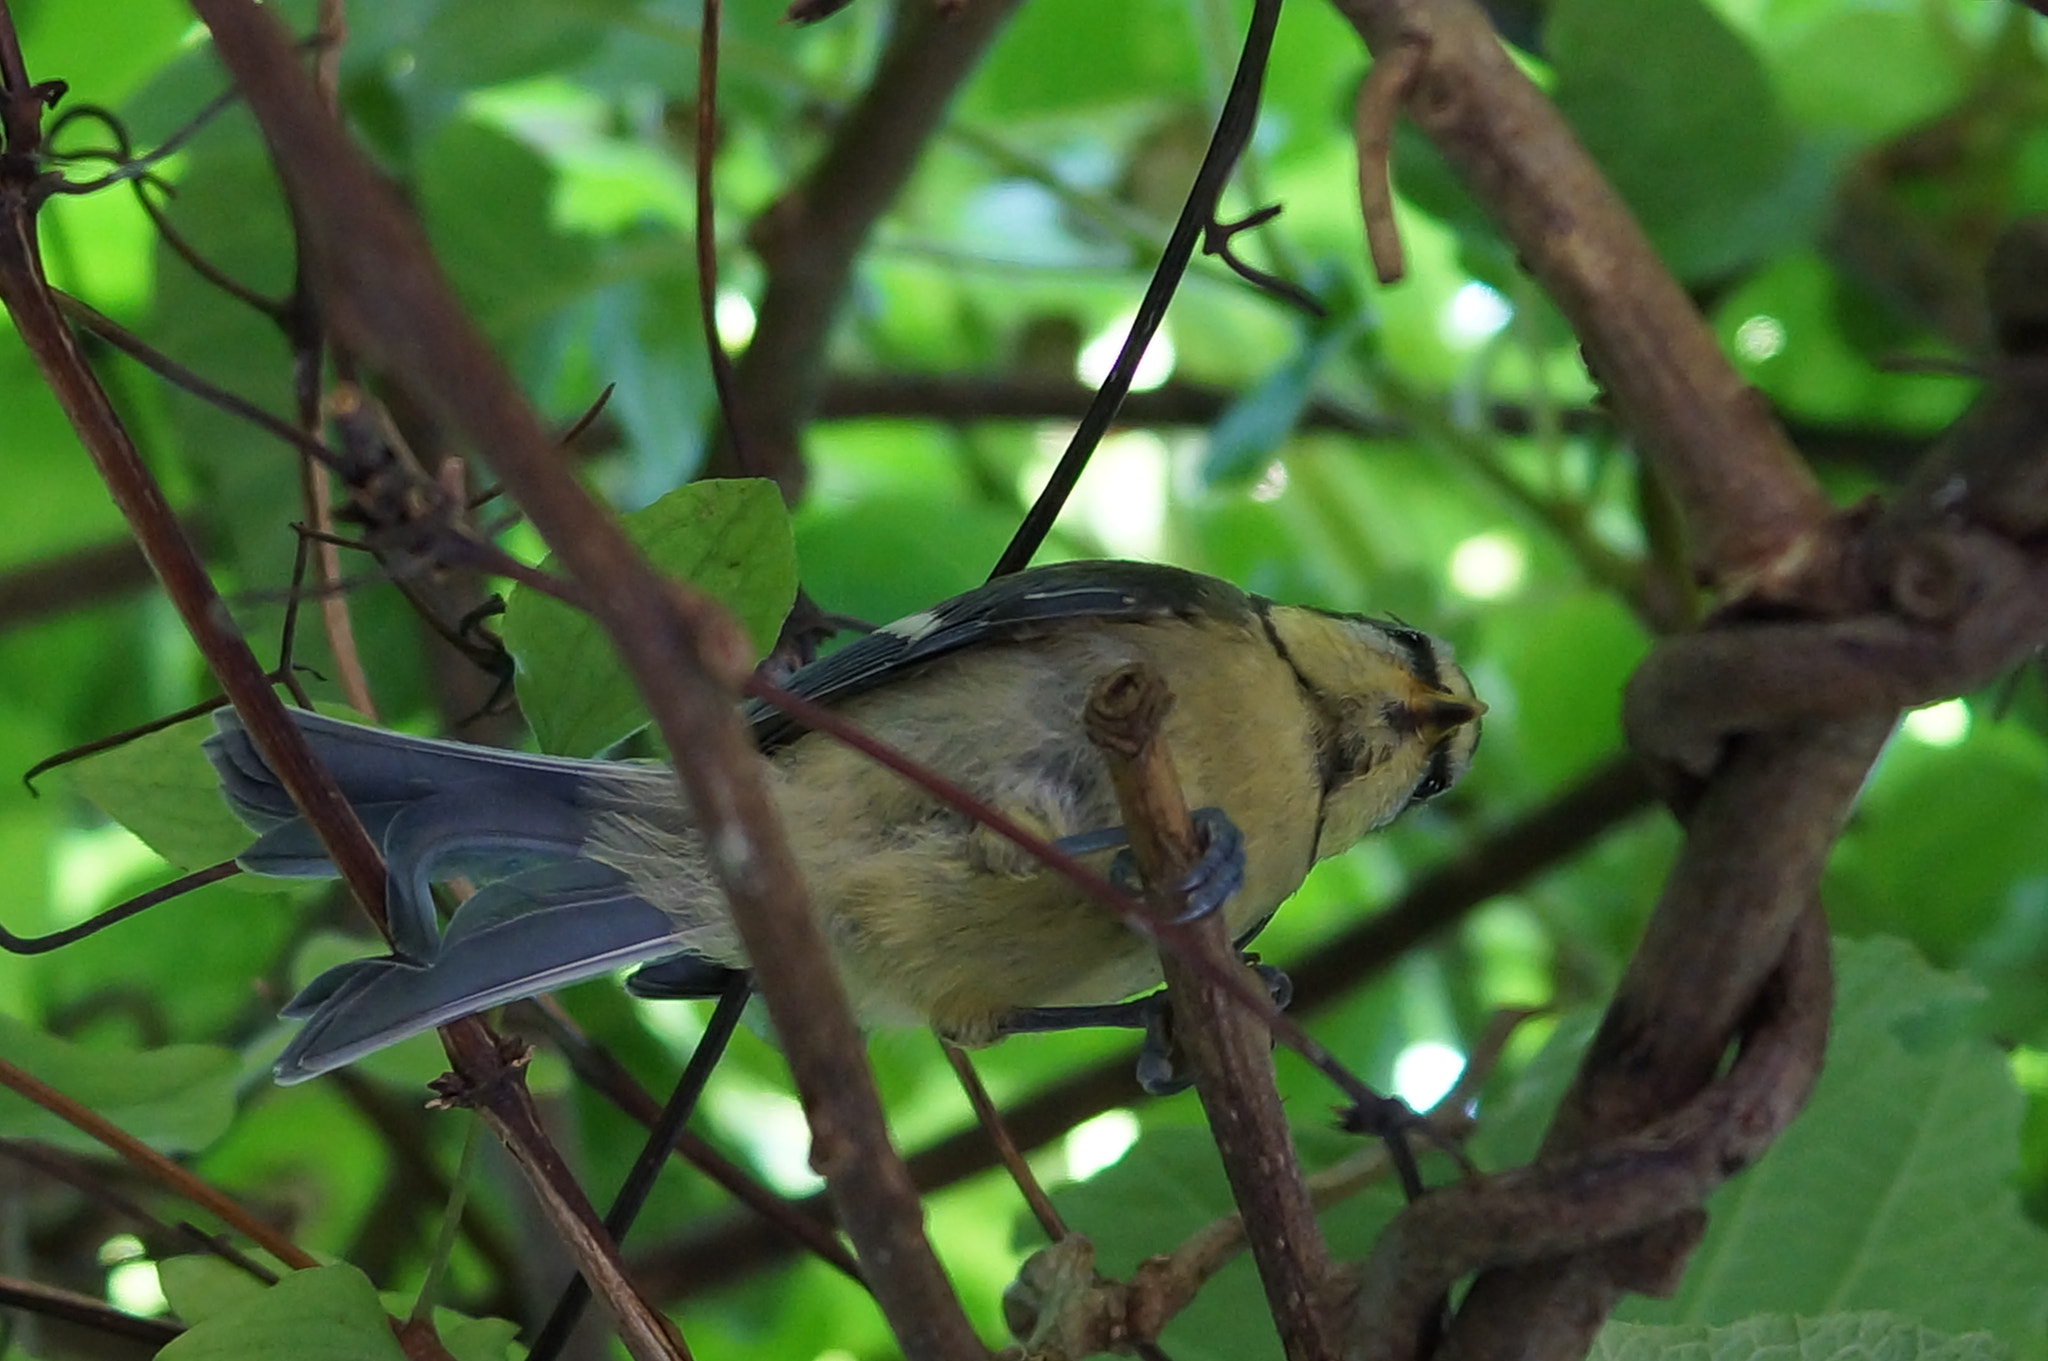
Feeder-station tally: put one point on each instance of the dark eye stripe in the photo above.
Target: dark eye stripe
(1421, 652)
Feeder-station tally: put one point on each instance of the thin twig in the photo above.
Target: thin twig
(990, 1118)
(140, 903)
(797, 1225)
(86, 1312)
(1233, 131)
(653, 1156)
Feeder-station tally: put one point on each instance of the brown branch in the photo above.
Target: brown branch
(1932, 597)
(83, 1310)
(371, 267)
(973, 397)
(78, 579)
(809, 238)
(1750, 502)
(1654, 1180)
(1007, 1153)
(1230, 1053)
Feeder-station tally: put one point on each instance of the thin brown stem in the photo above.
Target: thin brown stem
(990, 1118)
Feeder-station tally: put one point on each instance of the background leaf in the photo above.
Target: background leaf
(1832, 1337)
(730, 539)
(175, 1099)
(325, 1314)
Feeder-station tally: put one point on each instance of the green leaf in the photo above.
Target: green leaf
(325, 1314)
(1682, 117)
(1252, 428)
(730, 539)
(486, 199)
(1834, 1337)
(174, 1099)
(1872, 70)
(161, 788)
(1894, 1189)
(475, 1339)
(199, 1287)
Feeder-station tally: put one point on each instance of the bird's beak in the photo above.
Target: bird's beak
(1442, 712)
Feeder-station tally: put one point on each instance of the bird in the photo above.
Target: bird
(1295, 731)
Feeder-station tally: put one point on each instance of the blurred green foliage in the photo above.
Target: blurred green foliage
(1826, 177)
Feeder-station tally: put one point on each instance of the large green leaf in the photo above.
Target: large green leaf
(174, 1099)
(730, 539)
(324, 1314)
(1831, 1337)
(1683, 118)
(161, 788)
(1894, 1190)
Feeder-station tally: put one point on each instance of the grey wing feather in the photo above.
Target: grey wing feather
(1008, 608)
(534, 932)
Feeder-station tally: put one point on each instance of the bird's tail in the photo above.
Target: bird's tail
(547, 916)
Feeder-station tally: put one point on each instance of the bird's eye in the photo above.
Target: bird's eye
(1436, 779)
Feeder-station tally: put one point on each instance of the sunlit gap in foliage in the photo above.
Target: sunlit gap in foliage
(768, 1123)
(1475, 313)
(2029, 1069)
(1120, 502)
(735, 318)
(135, 1288)
(132, 1284)
(1096, 1144)
(89, 866)
(611, 173)
(1099, 354)
(1488, 566)
(1272, 483)
(1425, 1071)
(1759, 338)
(1939, 725)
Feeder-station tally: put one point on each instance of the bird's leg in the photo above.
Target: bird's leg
(1210, 882)
(1160, 1071)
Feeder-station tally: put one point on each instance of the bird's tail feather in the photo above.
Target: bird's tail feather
(436, 810)
(535, 931)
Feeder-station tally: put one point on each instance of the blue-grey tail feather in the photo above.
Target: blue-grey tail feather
(535, 931)
(436, 810)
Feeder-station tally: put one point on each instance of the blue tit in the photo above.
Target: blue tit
(1306, 729)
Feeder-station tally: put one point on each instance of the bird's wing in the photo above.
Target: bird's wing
(1009, 608)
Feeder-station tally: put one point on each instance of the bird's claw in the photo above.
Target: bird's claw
(1210, 882)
